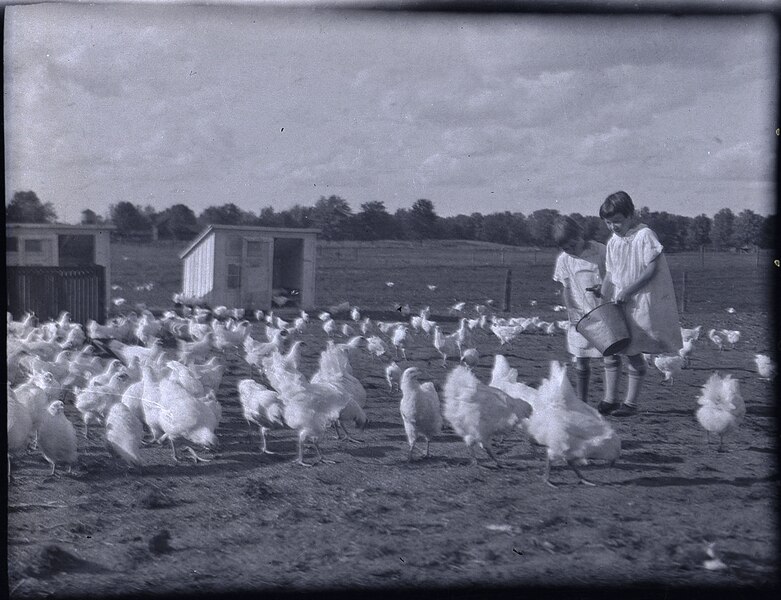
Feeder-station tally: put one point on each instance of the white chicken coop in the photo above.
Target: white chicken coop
(251, 267)
(53, 267)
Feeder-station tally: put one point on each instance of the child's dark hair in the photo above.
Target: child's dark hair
(617, 203)
(565, 228)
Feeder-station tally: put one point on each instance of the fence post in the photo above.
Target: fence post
(702, 255)
(508, 281)
(683, 294)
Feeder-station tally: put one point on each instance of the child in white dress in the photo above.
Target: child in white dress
(637, 277)
(580, 269)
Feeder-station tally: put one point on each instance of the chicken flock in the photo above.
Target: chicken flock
(140, 380)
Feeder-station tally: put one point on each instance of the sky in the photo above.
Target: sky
(274, 106)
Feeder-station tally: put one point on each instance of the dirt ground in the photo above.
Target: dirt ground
(373, 521)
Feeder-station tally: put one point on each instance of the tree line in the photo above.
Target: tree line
(337, 221)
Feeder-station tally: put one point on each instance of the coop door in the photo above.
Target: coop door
(256, 274)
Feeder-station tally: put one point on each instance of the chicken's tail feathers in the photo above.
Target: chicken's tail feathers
(460, 385)
(552, 388)
(711, 390)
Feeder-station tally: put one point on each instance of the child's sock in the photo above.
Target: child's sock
(637, 370)
(612, 376)
(582, 376)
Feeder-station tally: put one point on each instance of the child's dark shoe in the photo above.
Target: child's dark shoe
(625, 411)
(606, 408)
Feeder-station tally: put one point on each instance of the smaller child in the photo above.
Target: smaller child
(638, 278)
(580, 269)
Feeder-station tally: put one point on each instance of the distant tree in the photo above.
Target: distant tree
(402, 220)
(747, 228)
(332, 215)
(128, 218)
(540, 223)
(227, 214)
(26, 207)
(298, 216)
(698, 232)
(519, 230)
(374, 222)
(668, 228)
(459, 227)
(269, 218)
(423, 220)
(722, 229)
(90, 217)
(476, 222)
(768, 234)
(177, 221)
(496, 228)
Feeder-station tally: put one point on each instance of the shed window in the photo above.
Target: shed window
(12, 244)
(234, 276)
(234, 245)
(76, 250)
(33, 245)
(254, 249)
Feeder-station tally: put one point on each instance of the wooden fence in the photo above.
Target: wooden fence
(47, 291)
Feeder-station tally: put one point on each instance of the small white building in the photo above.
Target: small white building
(53, 267)
(251, 267)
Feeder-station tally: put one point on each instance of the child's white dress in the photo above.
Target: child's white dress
(577, 274)
(652, 313)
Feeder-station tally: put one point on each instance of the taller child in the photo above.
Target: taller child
(637, 276)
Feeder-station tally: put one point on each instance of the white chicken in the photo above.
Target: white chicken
(308, 408)
(19, 425)
(96, 399)
(686, 351)
(125, 352)
(765, 366)
(506, 379)
(398, 339)
(124, 433)
(375, 346)
(147, 328)
(329, 327)
(36, 394)
(505, 333)
(470, 357)
(715, 337)
(721, 406)
(392, 374)
(183, 415)
(446, 345)
(255, 351)
(197, 351)
(569, 428)
(691, 334)
(669, 365)
(732, 336)
(262, 407)
(230, 338)
(477, 412)
(420, 409)
(57, 437)
(335, 370)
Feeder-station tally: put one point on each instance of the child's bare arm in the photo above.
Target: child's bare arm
(607, 287)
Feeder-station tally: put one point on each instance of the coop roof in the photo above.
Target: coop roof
(272, 231)
(58, 227)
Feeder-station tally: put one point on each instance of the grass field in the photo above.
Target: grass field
(472, 272)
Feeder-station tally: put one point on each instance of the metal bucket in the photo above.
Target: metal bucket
(605, 327)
